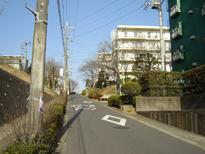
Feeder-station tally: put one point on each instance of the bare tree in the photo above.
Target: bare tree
(89, 70)
(108, 60)
(52, 72)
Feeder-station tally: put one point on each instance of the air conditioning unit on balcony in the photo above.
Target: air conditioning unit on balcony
(177, 31)
(178, 55)
(175, 9)
(155, 4)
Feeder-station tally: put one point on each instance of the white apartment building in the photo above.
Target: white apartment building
(130, 42)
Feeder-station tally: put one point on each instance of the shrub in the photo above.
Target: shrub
(114, 101)
(194, 81)
(83, 92)
(131, 89)
(94, 93)
(155, 83)
(126, 99)
(46, 140)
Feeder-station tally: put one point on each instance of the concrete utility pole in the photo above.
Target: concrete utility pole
(24, 48)
(157, 4)
(67, 39)
(65, 68)
(38, 62)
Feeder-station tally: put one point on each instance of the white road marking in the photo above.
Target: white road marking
(93, 109)
(86, 107)
(87, 102)
(122, 121)
(76, 107)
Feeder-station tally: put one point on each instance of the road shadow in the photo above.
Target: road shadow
(67, 125)
(121, 127)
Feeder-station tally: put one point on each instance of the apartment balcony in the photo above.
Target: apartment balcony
(177, 31)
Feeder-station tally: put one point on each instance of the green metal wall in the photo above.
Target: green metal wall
(192, 24)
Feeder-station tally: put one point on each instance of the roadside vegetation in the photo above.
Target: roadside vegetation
(46, 140)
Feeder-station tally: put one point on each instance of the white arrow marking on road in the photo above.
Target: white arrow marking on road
(122, 122)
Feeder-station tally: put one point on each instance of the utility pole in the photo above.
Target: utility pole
(157, 4)
(67, 39)
(38, 62)
(65, 68)
(24, 48)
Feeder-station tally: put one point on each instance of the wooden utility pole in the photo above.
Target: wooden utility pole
(38, 63)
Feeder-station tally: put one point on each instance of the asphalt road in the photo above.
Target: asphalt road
(89, 134)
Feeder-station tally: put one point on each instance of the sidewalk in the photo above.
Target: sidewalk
(178, 133)
(69, 117)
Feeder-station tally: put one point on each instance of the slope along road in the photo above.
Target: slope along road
(98, 130)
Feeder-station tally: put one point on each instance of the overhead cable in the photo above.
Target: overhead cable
(110, 22)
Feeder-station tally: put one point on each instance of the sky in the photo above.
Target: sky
(92, 22)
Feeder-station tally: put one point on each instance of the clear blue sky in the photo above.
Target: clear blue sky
(17, 25)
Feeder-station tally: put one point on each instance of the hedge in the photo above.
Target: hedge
(194, 81)
(114, 101)
(155, 83)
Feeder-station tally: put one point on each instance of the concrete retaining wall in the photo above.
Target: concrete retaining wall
(193, 121)
(158, 103)
(193, 102)
(13, 97)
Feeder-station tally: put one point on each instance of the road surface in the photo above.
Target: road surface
(116, 134)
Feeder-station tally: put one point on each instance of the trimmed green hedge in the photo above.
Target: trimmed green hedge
(114, 101)
(194, 81)
(155, 83)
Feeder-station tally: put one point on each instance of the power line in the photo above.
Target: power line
(110, 22)
(99, 10)
(60, 21)
(63, 12)
(77, 11)
(108, 15)
(69, 11)
(3, 7)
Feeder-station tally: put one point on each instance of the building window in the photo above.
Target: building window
(175, 9)
(125, 34)
(178, 55)
(177, 31)
(149, 35)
